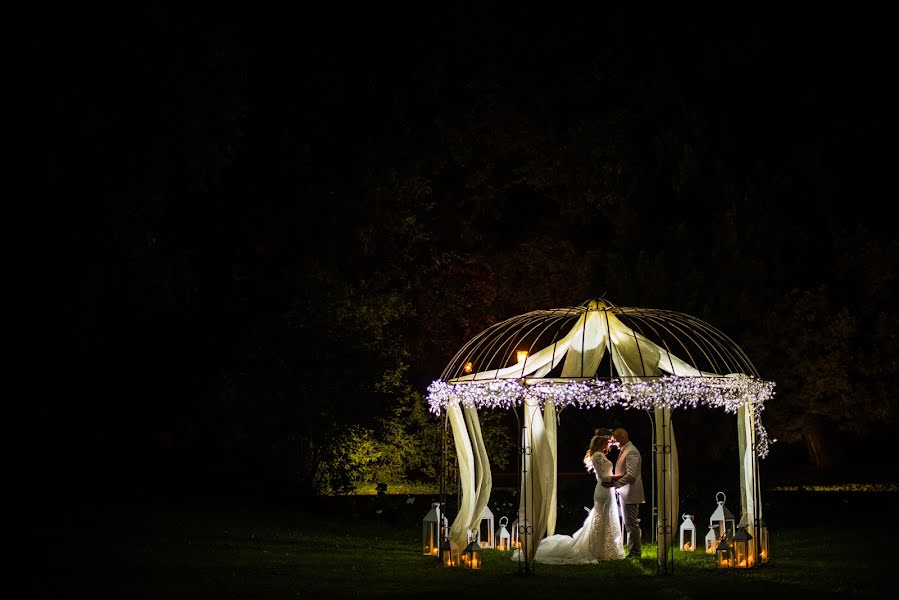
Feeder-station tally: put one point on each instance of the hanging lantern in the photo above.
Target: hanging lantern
(740, 549)
(449, 553)
(471, 556)
(503, 539)
(486, 529)
(723, 518)
(521, 356)
(711, 539)
(430, 531)
(762, 545)
(724, 554)
(687, 534)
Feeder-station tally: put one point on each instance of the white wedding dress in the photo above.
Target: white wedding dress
(599, 538)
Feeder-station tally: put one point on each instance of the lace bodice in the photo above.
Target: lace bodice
(602, 466)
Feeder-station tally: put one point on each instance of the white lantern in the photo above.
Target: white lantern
(503, 539)
(430, 531)
(687, 534)
(723, 518)
(486, 529)
(711, 539)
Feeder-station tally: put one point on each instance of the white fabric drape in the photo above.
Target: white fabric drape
(483, 480)
(538, 485)
(667, 482)
(549, 422)
(468, 498)
(745, 438)
(587, 344)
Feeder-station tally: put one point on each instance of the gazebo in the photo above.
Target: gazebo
(596, 355)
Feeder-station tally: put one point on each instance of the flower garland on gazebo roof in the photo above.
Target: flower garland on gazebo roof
(670, 392)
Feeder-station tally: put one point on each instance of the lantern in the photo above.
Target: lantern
(486, 529)
(723, 518)
(711, 539)
(449, 553)
(519, 531)
(762, 545)
(724, 553)
(516, 537)
(521, 355)
(503, 539)
(688, 534)
(471, 556)
(430, 531)
(741, 546)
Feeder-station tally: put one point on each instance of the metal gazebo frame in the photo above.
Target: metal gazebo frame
(700, 360)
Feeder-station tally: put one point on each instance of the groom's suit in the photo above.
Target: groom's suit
(630, 493)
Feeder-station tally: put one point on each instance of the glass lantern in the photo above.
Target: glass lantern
(723, 518)
(762, 545)
(711, 539)
(486, 529)
(449, 553)
(687, 534)
(724, 554)
(430, 531)
(516, 537)
(471, 556)
(742, 558)
(502, 538)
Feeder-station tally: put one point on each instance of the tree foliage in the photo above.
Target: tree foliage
(280, 236)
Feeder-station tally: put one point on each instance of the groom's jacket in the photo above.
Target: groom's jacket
(630, 486)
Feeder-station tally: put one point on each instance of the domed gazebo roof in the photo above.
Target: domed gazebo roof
(600, 354)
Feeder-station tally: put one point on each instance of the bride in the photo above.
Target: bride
(600, 537)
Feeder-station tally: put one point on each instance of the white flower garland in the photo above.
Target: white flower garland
(729, 393)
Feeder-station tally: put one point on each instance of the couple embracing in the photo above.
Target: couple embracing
(600, 537)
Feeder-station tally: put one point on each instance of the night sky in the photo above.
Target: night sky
(247, 219)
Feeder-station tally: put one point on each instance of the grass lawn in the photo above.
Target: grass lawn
(245, 551)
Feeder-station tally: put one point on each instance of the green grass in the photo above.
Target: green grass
(249, 552)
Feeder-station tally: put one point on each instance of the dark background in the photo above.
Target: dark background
(244, 219)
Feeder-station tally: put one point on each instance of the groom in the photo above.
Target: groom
(629, 485)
